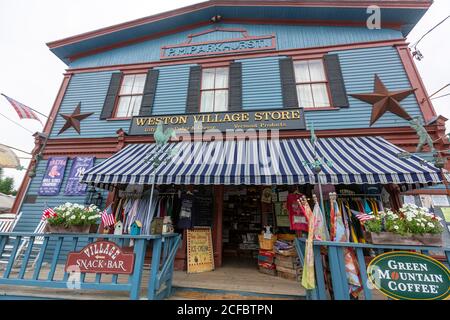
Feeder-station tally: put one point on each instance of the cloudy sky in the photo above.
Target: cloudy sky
(31, 74)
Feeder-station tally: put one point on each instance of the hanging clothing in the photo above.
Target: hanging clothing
(297, 216)
(308, 277)
(351, 264)
(320, 227)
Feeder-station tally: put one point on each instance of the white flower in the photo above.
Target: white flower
(83, 217)
(396, 227)
(409, 219)
(422, 224)
(72, 217)
(431, 225)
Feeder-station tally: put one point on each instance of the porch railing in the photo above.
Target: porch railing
(38, 260)
(334, 251)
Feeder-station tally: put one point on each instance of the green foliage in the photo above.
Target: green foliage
(410, 219)
(7, 184)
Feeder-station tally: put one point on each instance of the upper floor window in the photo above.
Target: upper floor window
(312, 84)
(214, 90)
(130, 95)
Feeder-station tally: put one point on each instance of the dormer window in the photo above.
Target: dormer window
(312, 84)
(130, 95)
(214, 90)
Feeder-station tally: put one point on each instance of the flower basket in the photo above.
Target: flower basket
(409, 240)
(70, 229)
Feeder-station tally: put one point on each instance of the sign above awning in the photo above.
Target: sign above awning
(285, 119)
(356, 160)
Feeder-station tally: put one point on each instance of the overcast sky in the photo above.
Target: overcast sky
(31, 74)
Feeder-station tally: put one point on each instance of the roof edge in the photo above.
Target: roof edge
(425, 4)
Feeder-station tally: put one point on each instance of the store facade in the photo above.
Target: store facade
(245, 92)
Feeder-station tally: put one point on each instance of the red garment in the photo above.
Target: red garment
(297, 216)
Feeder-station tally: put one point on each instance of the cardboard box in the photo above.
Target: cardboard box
(289, 276)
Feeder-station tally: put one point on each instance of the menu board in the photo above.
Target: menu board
(203, 211)
(199, 250)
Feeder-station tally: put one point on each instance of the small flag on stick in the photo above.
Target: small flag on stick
(361, 216)
(48, 213)
(108, 217)
(22, 110)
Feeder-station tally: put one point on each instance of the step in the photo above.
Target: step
(190, 293)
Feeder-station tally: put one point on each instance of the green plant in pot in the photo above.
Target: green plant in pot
(73, 217)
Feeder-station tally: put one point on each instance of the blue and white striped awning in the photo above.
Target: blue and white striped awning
(356, 160)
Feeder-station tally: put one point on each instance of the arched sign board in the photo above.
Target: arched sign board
(403, 275)
(101, 257)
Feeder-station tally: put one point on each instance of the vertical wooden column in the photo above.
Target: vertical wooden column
(217, 227)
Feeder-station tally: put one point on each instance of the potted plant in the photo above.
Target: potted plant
(72, 218)
(411, 225)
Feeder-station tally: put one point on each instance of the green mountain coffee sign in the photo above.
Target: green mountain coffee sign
(405, 275)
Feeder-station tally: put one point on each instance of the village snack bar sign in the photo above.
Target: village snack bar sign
(405, 275)
(284, 119)
(101, 257)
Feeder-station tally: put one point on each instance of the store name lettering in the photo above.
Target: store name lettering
(220, 118)
(256, 43)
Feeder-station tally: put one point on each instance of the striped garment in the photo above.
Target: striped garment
(22, 110)
(48, 213)
(108, 217)
(356, 160)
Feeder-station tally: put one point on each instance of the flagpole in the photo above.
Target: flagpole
(1, 114)
(30, 108)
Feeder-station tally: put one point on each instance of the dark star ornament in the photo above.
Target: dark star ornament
(384, 100)
(73, 120)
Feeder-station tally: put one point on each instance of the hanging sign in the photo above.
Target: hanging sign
(101, 257)
(199, 250)
(79, 166)
(403, 275)
(51, 183)
(285, 119)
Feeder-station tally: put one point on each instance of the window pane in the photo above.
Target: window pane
(139, 82)
(320, 95)
(221, 78)
(316, 70)
(207, 102)
(122, 108)
(305, 96)
(208, 78)
(127, 84)
(135, 106)
(221, 100)
(301, 71)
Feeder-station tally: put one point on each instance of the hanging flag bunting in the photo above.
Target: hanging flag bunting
(22, 110)
(51, 183)
(79, 166)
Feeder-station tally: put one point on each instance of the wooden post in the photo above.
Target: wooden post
(217, 226)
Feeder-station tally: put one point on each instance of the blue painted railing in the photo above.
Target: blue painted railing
(23, 255)
(336, 265)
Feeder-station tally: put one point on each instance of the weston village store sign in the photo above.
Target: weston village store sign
(284, 119)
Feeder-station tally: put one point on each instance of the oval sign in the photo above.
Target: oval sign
(403, 275)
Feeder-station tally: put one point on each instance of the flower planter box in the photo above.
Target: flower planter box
(71, 229)
(409, 240)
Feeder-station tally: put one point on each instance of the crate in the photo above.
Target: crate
(266, 259)
(266, 244)
(289, 276)
(296, 271)
(288, 253)
(291, 264)
(272, 272)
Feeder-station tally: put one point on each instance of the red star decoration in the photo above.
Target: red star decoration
(384, 100)
(73, 120)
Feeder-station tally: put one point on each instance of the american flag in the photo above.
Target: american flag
(22, 110)
(48, 213)
(361, 216)
(108, 217)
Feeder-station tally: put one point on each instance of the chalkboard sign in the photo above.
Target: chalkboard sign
(199, 250)
(203, 211)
